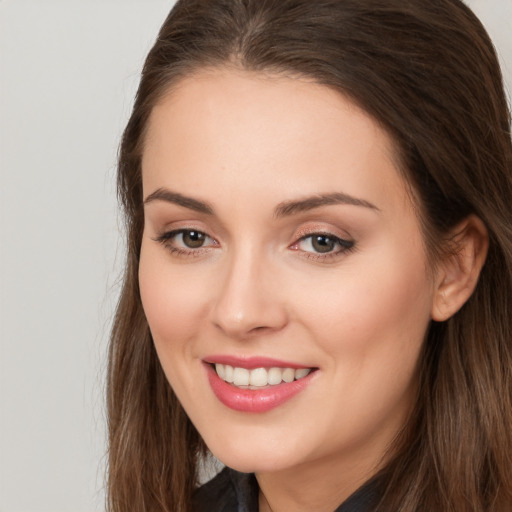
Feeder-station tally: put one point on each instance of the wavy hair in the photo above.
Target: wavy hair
(428, 73)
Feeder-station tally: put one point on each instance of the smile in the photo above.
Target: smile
(259, 388)
(259, 377)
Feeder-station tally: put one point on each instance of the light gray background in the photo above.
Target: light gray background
(68, 74)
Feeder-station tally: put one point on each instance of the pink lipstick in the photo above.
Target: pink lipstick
(277, 382)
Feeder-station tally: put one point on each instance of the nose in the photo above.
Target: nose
(249, 299)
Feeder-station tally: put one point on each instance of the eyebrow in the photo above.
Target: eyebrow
(163, 194)
(287, 208)
(283, 209)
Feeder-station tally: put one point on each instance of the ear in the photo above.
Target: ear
(457, 273)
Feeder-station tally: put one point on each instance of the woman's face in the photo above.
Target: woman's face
(280, 243)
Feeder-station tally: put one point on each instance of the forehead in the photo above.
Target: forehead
(229, 131)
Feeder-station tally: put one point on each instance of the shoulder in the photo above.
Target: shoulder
(229, 491)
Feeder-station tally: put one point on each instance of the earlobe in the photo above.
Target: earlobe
(458, 271)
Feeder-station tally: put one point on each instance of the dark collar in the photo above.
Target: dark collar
(232, 491)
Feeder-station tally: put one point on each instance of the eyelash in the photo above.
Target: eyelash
(344, 245)
(167, 239)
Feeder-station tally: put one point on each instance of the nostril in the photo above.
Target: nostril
(261, 330)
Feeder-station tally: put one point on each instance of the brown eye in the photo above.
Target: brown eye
(193, 239)
(322, 243)
(186, 241)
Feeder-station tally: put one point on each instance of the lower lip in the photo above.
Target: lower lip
(255, 400)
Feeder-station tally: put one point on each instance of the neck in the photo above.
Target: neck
(263, 505)
(321, 486)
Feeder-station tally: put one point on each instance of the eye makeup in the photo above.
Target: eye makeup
(315, 245)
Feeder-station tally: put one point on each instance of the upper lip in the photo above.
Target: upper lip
(253, 362)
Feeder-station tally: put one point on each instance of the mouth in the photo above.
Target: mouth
(258, 386)
(258, 378)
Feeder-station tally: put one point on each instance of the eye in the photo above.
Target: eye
(318, 243)
(186, 241)
(323, 244)
(191, 239)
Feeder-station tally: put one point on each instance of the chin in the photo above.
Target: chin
(249, 454)
(253, 462)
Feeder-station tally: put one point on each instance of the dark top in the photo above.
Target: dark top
(231, 491)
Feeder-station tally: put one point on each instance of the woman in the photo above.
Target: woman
(319, 276)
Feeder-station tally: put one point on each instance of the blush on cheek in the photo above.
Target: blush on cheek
(371, 309)
(174, 309)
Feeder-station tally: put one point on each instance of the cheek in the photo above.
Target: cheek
(371, 330)
(173, 304)
(375, 314)
(173, 300)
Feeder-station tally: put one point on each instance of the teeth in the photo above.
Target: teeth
(219, 368)
(275, 376)
(259, 377)
(240, 377)
(288, 374)
(299, 374)
(228, 373)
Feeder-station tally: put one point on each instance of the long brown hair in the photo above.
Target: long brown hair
(427, 71)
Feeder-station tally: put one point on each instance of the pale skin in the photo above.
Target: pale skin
(232, 150)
